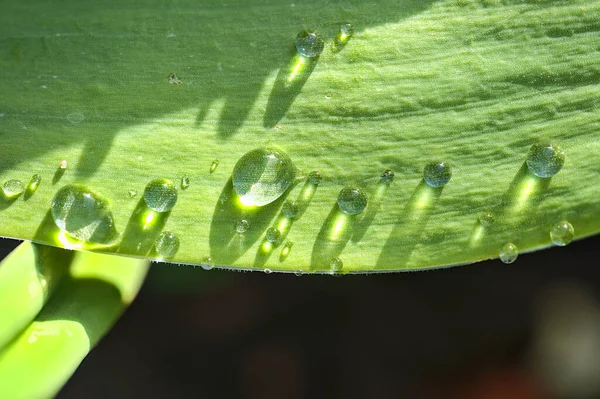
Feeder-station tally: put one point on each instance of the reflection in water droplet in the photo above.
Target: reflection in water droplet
(160, 195)
(13, 188)
(262, 175)
(241, 226)
(437, 174)
(343, 37)
(315, 177)
(213, 165)
(83, 214)
(167, 244)
(562, 233)
(207, 263)
(336, 265)
(290, 210)
(545, 159)
(285, 251)
(75, 117)
(387, 177)
(509, 253)
(309, 44)
(268, 271)
(33, 185)
(273, 235)
(352, 201)
(185, 182)
(132, 193)
(486, 219)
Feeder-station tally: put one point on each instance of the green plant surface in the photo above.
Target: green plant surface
(471, 83)
(91, 296)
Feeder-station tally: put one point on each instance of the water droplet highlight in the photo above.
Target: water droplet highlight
(545, 159)
(167, 244)
(437, 174)
(33, 185)
(160, 195)
(262, 175)
(290, 210)
(315, 177)
(132, 193)
(562, 233)
(13, 188)
(273, 235)
(309, 44)
(352, 201)
(486, 219)
(185, 182)
(207, 263)
(336, 265)
(285, 251)
(214, 165)
(241, 226)
(343, 37)
(509, 253)
(83, 214)
(387, 177)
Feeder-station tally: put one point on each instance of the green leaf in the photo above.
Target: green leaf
(472, 83)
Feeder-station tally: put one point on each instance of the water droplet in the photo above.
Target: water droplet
(75, 117)
(213, 165)
(545, 159)
(63, 164)
(167, 244)
(352, 201)
(344, 35)
(241, 226)
(315, 177)
(83, 214)
(562, 233)
(336, 265)
(387, 177)
(262, 175)
(309, 44)
(268, 271)
(132, 193)
(290, 210)
(298, 273)
(13, 188)
(437, 174)
(273, 234)
(509, 253)
(33, 185)
(486, 219)
(285, 251)
(185, 182)
(207, 263)
(160, 195)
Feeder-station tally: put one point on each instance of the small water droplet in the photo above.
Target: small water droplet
(273, 235)
(173, 79)
(167, 244)
(268, 271)
(262, 175)
(387, 177)
(241, 226)
(223, 199)
(315, 177)
(63, 164)
(437, 174)
(33, 185)
(207, 263)
(160, 195)
(75, 118)
(545, 159)
(214, 165)
(562, 233)
(132, 193)
(352, 201)
(336, 265)
(486, 219)
(309, 44)
(343, 37)
(13, 188)
(298, 273)
(83, 214)
(509, 253)
(290, 210)
(185, 182)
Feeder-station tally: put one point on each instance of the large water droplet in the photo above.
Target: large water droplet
(437, 174)
(273, 235)
(352, 201)
(167, 244)
(545, 159)
(562, 233)
(33, 185)
(13, 188)
(309, 44)
(213, 165)
(241, 226)
(160, 195)
(83, 214)
(262, 175)
(509, 253)
(185, 182)
(486, 218)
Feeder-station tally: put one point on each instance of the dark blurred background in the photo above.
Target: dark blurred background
(485, 331)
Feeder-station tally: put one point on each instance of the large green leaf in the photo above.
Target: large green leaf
(473, 83)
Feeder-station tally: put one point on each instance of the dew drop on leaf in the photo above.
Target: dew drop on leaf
(167, 244)
(545, 159)
(509, 253)
(241, 226)
(437, 174)
(160, 195)
(185, 182)
(34, 183)
(562, 233)
(486, 218)
(309, 44)
(13, 188)
(352, 201)
(214, 165)
(273, 235)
